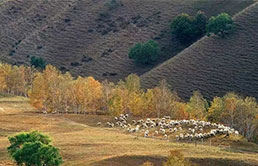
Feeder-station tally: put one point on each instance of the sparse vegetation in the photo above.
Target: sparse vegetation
(220, 25)
(35, 149)
(145, 53)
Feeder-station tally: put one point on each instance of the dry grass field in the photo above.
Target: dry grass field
(214, 65)
(83, 37)
(82, 143)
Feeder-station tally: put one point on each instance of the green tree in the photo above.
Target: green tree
(200, 22)
(220, 25)
(188, 29)
(197, 106)
(33, 149)
(182, 27)
(145, 53)
(38, 62)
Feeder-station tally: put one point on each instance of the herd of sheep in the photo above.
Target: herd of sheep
(188, 130)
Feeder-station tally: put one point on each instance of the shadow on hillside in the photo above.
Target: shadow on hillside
(158, 161)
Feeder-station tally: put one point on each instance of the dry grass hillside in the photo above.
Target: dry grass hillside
(214, 65)
(82, 143)
(83, 37)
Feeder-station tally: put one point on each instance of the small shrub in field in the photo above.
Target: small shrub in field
(220, 25)
(147, 163)
(38, 62)
(176, 158)
(33, 149)
(145, 53)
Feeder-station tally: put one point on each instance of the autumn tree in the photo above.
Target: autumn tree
(197, 106)
(237, 112)
(163, 98)
(107, 88)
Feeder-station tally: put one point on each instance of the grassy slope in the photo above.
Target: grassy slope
(82, 143)
(214, 65)
(69, 31)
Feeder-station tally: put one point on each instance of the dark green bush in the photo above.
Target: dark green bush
(33, 149)
(145, 53)
(220, 25)
(112, 4)
(38, 62)
(188, 29)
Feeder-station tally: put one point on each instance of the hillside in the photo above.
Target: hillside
(82, 143)
(85, 38)
(214, 65)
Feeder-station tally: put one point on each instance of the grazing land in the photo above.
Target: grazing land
(85, 38)
(83, 143)
(214, 65)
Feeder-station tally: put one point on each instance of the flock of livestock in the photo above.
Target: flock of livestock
(188, 130)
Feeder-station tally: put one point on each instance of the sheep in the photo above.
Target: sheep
(177, 137)
(116, 118)
(162, 131)
(171, 130)
(99, 123)
(181, 136)
(156, 132)
(165, 136)
(193, 130)
(146, 133)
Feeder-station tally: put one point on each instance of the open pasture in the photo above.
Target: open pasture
(82, 142)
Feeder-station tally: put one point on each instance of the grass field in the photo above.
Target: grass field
(213, 65)
(83, 143)
(73, 36)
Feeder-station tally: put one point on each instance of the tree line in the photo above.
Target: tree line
(51, 91)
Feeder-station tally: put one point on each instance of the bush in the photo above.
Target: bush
(145, 53)
(38, 62)
(220, 25)
(176, 158)
(188, 29)
(112, 4)
(200, 22)
(33, 149)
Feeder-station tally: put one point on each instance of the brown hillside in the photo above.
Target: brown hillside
(214, 65)
(73, 36)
